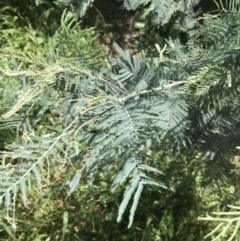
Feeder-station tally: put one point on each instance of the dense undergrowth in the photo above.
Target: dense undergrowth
(92, 214)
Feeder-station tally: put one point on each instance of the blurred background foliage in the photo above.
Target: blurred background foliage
(91, 215)
(33, 28)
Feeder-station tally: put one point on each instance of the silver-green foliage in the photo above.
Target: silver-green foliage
(188, 97)
(120, 115)
(161, 11)
(120, 105)
(81, 6)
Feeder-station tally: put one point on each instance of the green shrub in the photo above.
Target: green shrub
(62, 108)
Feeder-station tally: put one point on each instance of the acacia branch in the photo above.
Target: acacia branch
(168, 86)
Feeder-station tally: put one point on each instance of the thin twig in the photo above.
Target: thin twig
(168, 86)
